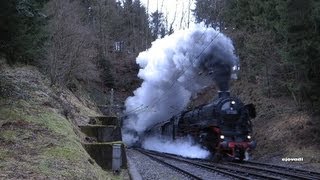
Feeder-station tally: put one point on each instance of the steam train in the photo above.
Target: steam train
(223, 127)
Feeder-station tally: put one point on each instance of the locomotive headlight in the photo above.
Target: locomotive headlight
(233, 102)
(234, 68)
(249, 137)
(221, 136)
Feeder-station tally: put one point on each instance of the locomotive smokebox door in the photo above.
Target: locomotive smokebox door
(251, 110)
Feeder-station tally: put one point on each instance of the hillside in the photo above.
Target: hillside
(281, 129)
(39, 135)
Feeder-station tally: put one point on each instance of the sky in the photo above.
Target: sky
(170, 8)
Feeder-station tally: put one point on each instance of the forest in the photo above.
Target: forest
(276, 39)
(66, 63)
(78, 40)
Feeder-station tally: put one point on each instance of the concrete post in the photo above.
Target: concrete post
(116, 157)
(111, 101)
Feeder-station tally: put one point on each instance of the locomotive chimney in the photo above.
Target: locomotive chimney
(224, 94)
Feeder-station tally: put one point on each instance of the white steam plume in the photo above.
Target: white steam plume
(173, 69)
(184, 147)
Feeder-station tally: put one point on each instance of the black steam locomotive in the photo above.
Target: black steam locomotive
(223, 127)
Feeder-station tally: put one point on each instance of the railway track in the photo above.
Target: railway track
(175, 168)
(287, 171)
(208, 167)
(247, 170)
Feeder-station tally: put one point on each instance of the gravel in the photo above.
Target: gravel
(276, 160)
(204, 174)
(150, 169)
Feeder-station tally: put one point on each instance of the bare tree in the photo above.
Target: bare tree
(170, 28)
(70, 51)
(182, 16)
(189, 11)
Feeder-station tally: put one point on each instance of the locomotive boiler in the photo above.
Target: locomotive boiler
(223, 127)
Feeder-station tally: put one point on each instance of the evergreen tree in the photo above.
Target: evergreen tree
(280, 39)
(158, 29)
(211, 12)
(21, 31)
(303, 47)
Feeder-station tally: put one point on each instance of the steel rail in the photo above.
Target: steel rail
(171, 166)
(294, 175)
(293, 172)
(221, 169)
(284, 168)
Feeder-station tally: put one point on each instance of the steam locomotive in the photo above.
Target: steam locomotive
(223, 127)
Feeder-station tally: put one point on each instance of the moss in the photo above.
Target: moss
(60, 169)
(8, 135)
(45, 167)
(53, 122)
(69, 152)
(8, 114)
(3, 155)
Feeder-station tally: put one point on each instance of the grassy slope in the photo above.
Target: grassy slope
(38, 133)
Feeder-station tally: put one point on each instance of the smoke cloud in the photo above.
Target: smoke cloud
(184, 147)
(172, 70)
